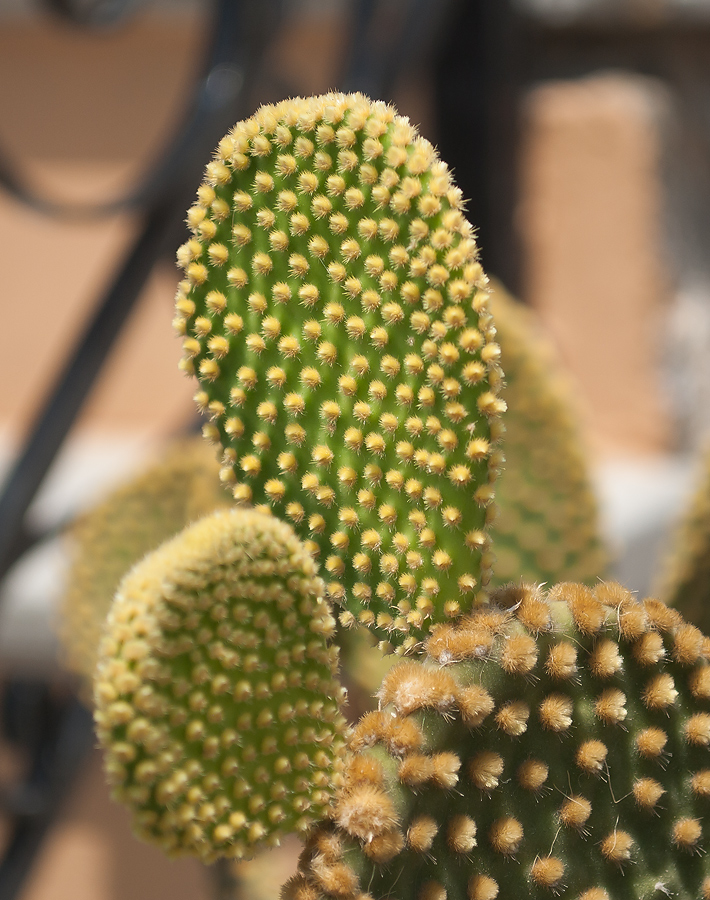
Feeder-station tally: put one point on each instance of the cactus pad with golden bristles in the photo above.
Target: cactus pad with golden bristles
(548, 745)
(133, 520)
(547, 524)
(335, 313)
(217, 698)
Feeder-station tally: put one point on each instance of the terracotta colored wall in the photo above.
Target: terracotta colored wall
(591, 214)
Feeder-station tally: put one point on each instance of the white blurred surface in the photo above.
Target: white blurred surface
(640, 502)
(84, 471)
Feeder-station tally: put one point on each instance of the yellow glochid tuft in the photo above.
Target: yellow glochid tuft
(217, 699)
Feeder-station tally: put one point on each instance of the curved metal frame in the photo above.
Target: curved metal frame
(55, 732)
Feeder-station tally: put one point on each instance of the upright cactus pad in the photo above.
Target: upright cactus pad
(217, 698)
(684, 581)
(548, 745)
(336, 316)
(547, 525)
(112, 536)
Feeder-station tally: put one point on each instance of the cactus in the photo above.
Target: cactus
(335, 313)
(546, 529)
(684, 580)
(545, 745)
(111, 537)
(216, 694)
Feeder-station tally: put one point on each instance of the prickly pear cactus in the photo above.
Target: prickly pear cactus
(133, 520)
(684, 581)
(216, 692)
(547, 527)
(547, 745)
(336, 316)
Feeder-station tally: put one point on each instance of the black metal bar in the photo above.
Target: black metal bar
(56, 762)
(77, 380)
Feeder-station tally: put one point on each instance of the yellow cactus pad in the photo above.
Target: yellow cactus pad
(216, 693)
(112, 536)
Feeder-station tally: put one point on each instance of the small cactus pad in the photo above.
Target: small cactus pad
(335, 313)
(548, 745)
(217, 698)
(684, 581)
(547, 524)
(133, 520)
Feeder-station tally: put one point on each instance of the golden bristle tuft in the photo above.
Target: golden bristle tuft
(687, 644)
(587, 611)
(409, 687)
(532, 774)
(617, 847)
(647, 792)
(432, 890)
(687, 833)
(561, 662)
(519, 654)
(575, 811)
(547, 871)
(415, 769)
(461, 834)
(384, 847)
(505, 835)
(605, 660)
(556, 712)
(651, 742)
(475, 704)
(485, 770)
(365, 811)
(421, 833)
(591, 756)
(482, 887)
(371, 728)
(513, 718)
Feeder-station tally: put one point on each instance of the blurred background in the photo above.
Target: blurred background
(578, 129)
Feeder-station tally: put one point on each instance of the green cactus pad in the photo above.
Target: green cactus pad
(547, 524)
(684, 581)
(549, 745)
(216, 693)
(133, 520)
(336, 315)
